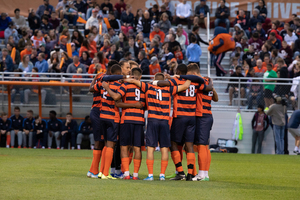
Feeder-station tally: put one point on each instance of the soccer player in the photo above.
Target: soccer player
(5, 127)
(39, 132)
(54, 128)
(132, 121)
(85, 131)
(159, 104)
(69, 129)
(16, 127)
(28, 129)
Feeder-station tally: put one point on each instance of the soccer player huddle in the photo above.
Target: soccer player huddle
(117, 115)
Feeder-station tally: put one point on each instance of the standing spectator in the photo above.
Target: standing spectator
(154, 13)
(4, 21)
(294, 129)
(255, 41)
(16, 127)
(54, 128)
(243, 21)
(277, 111)
(54, 20)
(201, 12)
(183, 13)
(11, 31)
(222, 15)
(41, 9)
(46, 26)
(28, 129)
(92, 21)
(26, 66)
(145, 25)
(255, 19)
(290, 37)
(193, 52)
(164, 24)
(85, 131)
(233, 87)
(72, 68)
(195, 32)
(169, 6)
(120, 7)
(5, 128)
(7, 61)
(269, 88)
(40, 133)
(69, 130)
(33, 20)
(144, 62)
(19, 20)
(260, 123)
(42, 64)
(17, 58)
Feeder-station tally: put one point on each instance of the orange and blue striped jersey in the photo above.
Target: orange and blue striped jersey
(184, 103)
(158, 100)
(97, 95)
(204, 101)
(131, 93)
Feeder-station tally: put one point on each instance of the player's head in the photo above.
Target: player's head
(4, 116)
(137, 73)
(87, 119)
(159, 77)
(116, 70)
(109, 65)
(29, 114)
(52, 114)
(37, 119)
(133, 64)
(69, 116)
(17, 111)
(181, 69)
(193, 69)
(125, 66)
(260, 108)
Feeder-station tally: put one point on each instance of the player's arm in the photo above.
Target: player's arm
(215, 96)
(185, 86)
(114, 95)
(133, 81)
(121, 104)
(193, 78)
(91, 88)
(162, 83)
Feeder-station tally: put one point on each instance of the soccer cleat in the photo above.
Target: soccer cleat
(178, 177)
(59, 148)
(162, 178)
(149, 178)
(110, 177)
(135, 178)
(49, 147)
(7, 146)
(19, 147)
(189, 177)
(91, 175)
(126, 177)
(205, 179)
(34, 147)
(12, 147)
(117, 175)
(171, 176)
(100, 175)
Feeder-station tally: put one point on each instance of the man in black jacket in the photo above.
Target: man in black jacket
(40, 133)
(144, 62)
(222, 14)
(54, 128)
(69, 130)
(154, 13)
(201, 12)
(16, 127)
(297, 48)
(85, 132)
(28, 129)
(145, 25)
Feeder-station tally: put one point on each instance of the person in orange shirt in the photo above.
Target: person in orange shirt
(76, 78)
(95, 68)
(157, 31)
(267, 60)
(259, 69)
(178, 54)
(154, 66)
(27, 50)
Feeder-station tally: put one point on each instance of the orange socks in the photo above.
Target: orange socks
(130, 157)
(103, 160)
(164, 165)
(96, 160)
(208, 158)
(108, 159)
(150, 166)
(190, 157)
(8, 140)
(195, 168)
(202, 157)
(137, 165)
(125, 164)
(177, 161)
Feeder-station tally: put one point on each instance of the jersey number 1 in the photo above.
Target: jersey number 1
(159, 94)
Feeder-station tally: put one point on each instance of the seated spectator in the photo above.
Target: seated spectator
(4, 21)
(274, 56)
(259, 69)
(243, 21)
(193, 52)
(276, 42)
(126, 57)
(85, 59)
(167, 55)
(255, 19)
(33, 20)
(16, 127)
(145, 25)
(5, 128)
(169, 7)
(157, 31)
(138, 17)
(28, 129)
(27, 50)
(297, 48)
(233, 87)
(81, 7)
(34, 56)
(72, 68)
(144, 63)
(173, 43)
(74, 51)
(70, 13)
(154, 13)
(286, 53)
(195, 32)
(46, 26)
(26, 66)
(255, 93)
(6, 61)
(283, 32)
(106, 7)
(181, 38)
(183, 13)
(92, 21)
(264, 51)
(154, 66)
(127, 19)
(113, 54)
(260, 30)
(132, 48)
(85, 132)
(51, 41)
(263, 12)
(54, 128)
(37, 38)
(41, 64)
(255, 41)
(267, 60)
(42, 49)
(123, 42)
(16, 58)
(290, 37)
(54, 20)
(222, 15)
(22, 42)
(250, 53)
(17, 89)
(114, 23)
(201, 12)
(238, 53)
(64, 26)
(178, 54)
(66, 62)
(101, 26)
(239, 33)
(106, 46)
(40, 133)
(163, 9)
(77, 39)
(92, 67)
(11, 31)
(233, 65)
(114, 39)
(88, 46)
(46, 6)
(255, 58)
(120, 7)
(296, 24)
(19, 20)
(164, 24)
(60, 8)
(53, 60)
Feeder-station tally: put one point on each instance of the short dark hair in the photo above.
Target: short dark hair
(193, 67)
(159, 74)
(122, 63)
(16, 10)
(36, 69)
(269, 65)
(128, 53)
(182, 68)
(109, 29)
(195, 28)
(143, 53)
(17, 108)
(261, 106)
(53, 112)
(115, 68)
(275, 52)
(238, 67)
(136, 71)
(259, 23)
(273, 34)
(155, 6)
(86, 117)
(290, 29)
(193, 39)
(69, 114)
(255, 35)
(30, 111)
(36, 117)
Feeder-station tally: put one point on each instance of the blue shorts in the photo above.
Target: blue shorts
(183, 129)
(109, 129)
(95, 119)
(158, 131)
(203, 127)
(132, 135)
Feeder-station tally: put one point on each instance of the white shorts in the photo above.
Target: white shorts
(295, 132)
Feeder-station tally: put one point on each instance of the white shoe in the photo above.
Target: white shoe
(197, 178)
(157, 149)
(92, 147)
(73, 148)
(7, 146)
(91, 175)
(43, 147)
(34, 147)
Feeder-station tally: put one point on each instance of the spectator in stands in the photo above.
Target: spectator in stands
(11, 31)
(163, 9)
(255, 19)
(17, 88)
(259, 68)
(42, 64)
(173, 43)
(260, 30)
(26, 66)
(290, 37)
(70, 13)
(77, 38)
(274, 56)
(169, 6)
(74, 51)
(86, 46)
(260, 123)
(157, 31)
(255, 41)
(297, 48)
(164, 24)
(183, 13)
(269, 88)
(85, 131)
(85, 59)
(154, 13)
(113, 54)
(222, 15)
(66, 63)
(28, 129)
(4, 21)
(41, 9)
(6, 60)
(81, 7)
(277, 111)
(64, 26)
(283, 32)
(16, 59)
(114, 23)
(40, 133)
(27, 50)
(53, 60)
(92, 21)
(286, 53)
(54, 128)
(61, 6)
(22, 42)
(250, 53)
(181, 38)
(33, 20)
(195, 32)
(42, 49)
(132, 48)
(127, 18)
(123, 42)
(72, 68)
(106, 7)
(233, 87)
(5, 128)
(193, 52)
(296, 24)
(37, 38)
(263, 12)
(114, 39)
(16, 127)
(243, 21)
(19, 20)
(145, 25)
(46, 26)
(144, 62)
(255, 93)
(167, 56)
(276, 43)
(201, 12)
(154, 66)
(54, 21)
(69, 130)
(120, 7)
(138, 17)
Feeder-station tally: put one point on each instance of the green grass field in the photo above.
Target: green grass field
(57, 174)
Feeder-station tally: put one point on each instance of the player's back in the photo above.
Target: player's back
(97, 95)
(204, 101)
